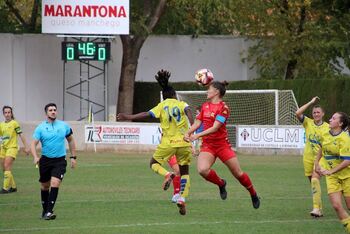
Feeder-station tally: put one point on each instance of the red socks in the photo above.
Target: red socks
(245, 181)
(214, 178)
(176, 184)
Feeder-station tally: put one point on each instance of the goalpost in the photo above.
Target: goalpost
(251, 107)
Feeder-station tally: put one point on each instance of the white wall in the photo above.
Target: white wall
(32, 69)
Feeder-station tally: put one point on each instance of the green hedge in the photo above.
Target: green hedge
(334, 93)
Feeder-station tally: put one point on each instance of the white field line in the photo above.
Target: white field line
(80, 165)
(163, 224)
(131, 200)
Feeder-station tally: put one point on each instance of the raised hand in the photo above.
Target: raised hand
(315, 99)
(162, 74)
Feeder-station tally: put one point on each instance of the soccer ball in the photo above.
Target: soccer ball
(204, 77)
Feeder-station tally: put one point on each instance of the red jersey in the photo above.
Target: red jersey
(209, 114)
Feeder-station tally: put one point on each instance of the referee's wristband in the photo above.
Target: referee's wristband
(73, 157)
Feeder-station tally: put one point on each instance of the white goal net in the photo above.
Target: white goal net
(251, 107)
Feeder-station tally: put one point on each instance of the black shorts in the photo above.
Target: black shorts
(52, 167)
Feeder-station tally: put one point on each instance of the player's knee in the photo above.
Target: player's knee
(203, 171)
(45, 186)
(151, 162)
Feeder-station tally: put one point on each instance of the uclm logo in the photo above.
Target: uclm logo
(245, 134)
(85, 11)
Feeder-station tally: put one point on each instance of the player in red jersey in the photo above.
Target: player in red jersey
(215, 144)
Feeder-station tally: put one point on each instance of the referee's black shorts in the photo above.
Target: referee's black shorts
(52, 167)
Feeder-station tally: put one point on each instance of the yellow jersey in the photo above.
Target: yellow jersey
(173, 122)
(313, 132)
(336, 149)
(9, 131)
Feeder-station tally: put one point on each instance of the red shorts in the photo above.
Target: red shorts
(223, 151)
(172, 161)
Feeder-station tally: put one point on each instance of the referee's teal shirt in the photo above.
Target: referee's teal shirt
(52, 137)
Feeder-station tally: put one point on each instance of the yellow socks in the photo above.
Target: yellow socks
(185, 185)
(8, 178)
(316, 193)
(157, 168)
(346, 224)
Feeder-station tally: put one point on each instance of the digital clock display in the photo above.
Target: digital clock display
(99, 51)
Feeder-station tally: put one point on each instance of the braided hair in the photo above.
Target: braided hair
(162, 78)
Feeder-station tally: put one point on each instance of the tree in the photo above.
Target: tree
(294, 39)
(21, 15)
(145, 16)
(180, 17)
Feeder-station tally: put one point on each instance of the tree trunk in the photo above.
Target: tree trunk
(292, 63)
(290, 70)
(27, 27)
(131, 52)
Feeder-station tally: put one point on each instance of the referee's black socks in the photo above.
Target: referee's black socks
(44, 199)
(52, 199)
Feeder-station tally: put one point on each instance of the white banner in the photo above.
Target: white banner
(279, 137)
(85, 16)
(123, 134)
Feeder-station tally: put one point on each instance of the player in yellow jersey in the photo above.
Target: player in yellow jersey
(174, 116)
(314, 128)
(335, 149)
(9, 129)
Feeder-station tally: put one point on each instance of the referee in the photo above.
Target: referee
(52, 163)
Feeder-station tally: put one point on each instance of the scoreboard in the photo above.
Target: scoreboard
(99, 51)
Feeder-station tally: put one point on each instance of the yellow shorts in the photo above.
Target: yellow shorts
(309, 165)
(8, 152)
(183, 155)
(334, 184)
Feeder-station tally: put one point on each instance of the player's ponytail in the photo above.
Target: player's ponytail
(221, 86)
(8, 107)
(162, 78)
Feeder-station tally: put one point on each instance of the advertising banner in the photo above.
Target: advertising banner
(123, 134)
(279, 137)
(85, 17)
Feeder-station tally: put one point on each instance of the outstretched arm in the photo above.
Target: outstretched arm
(208, 131)
(193, 128)
(141, 115)
(299, 113)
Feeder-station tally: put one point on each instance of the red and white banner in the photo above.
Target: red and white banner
(149, 134)
(278, 137)
(85, 16)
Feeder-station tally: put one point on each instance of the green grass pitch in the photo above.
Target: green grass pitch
(118, 193)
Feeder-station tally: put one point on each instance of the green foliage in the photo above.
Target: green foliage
(7, 23)
(10, 23)
(313, 33)
(333, 92)
(193, 17)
